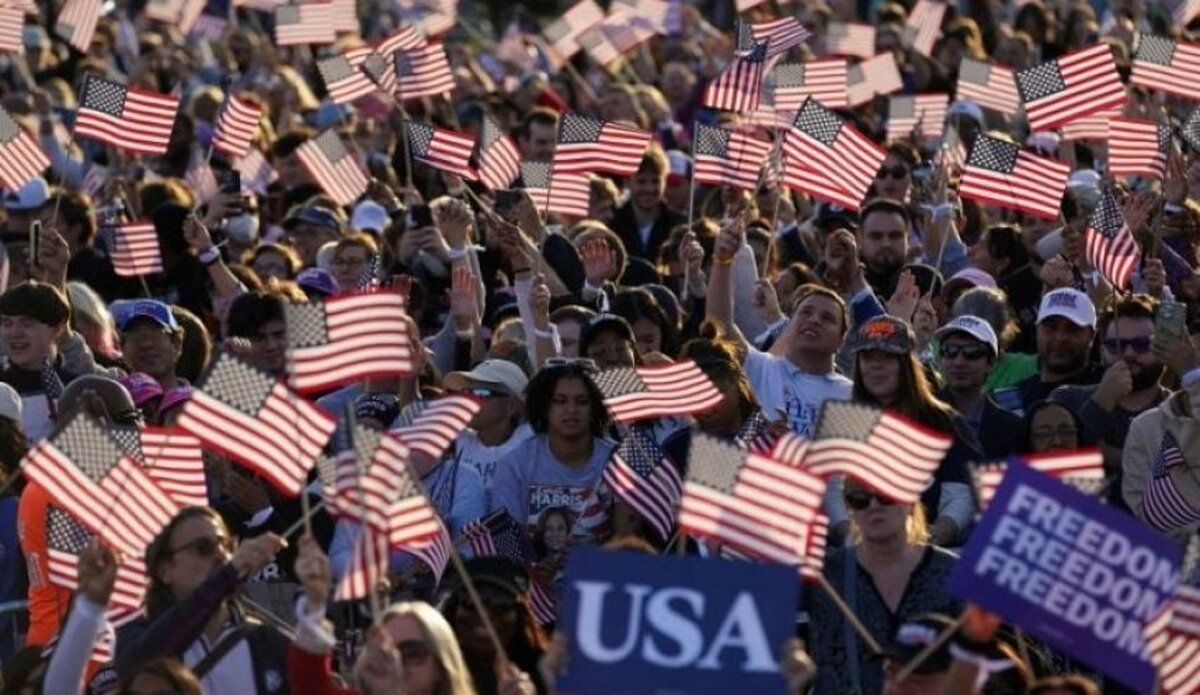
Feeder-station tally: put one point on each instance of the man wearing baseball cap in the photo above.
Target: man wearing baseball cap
(498, 427)
(967, 350)
(1066, 326)
(151, 340)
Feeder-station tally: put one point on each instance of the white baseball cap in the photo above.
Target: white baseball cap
(1069, 303)
(973, 326)
(10, 403)
(369, 216)
(493, 372)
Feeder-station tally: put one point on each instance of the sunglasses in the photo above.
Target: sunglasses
(414, 651)
(204, 547)
(482, 393)
(893, 172)
(970, 352)
(859, 500)
(1140, 346)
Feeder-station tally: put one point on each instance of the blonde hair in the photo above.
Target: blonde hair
(916, 526)
(456, 679)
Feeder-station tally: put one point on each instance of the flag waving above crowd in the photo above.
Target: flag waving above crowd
(488, 321)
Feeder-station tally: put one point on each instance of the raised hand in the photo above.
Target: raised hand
(253, 554)
(464, 307)
(97, 573)
(454, 221)
(597, 261)
(312, 569)
(903, 302)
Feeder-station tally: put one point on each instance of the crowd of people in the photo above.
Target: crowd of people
(991, 326)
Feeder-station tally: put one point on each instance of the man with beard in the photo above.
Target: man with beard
(1130, 384)
(883, 243)
(1066, 326)
(645, 221)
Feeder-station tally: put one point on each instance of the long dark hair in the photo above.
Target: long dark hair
(13, 447)
(914, 395)
(159, 596)
(525, 649)
(720, 361)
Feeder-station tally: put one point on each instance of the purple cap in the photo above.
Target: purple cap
(142, 387)
(317, 280)
(176, 396)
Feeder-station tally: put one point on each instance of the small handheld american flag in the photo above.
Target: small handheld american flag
(1166, 65)
(346, 339)
(1083, 469)
(646, 480)
(21, 158)
(638, 393)
(1071, 87)
(127, 118)
(1109, 244)
(333, 167)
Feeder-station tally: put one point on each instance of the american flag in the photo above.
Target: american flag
(253, 418)
(925, 113)
(76, 23)
(828, 158)
(94, 180)
(924, 25)
(990, 86)
(823, 80)
(1093, 127)
(346, 338)
(403, 39)
(1071, 87)
(1173, 638)
(562, 193)
(52, 385)
(257, 173)
(304, 24)
(87, 474)
(66, 538)
(210, 27)
(561, 35)
(441, 149)
(260, 5)
(850, 39)
(590, 144)
(620, 30)
(599, 48)
(134, 250)
(878, 75)
(499, 161)
(1166, 65)
(768, 114)
(999, 173)
(648, 17)
(642, 477)
(755, 505)
(414, 526)
(165, 11)
(343, 81)
(499, 535)
(345, 15)
(21, 158)
(12, 27)
(367, 567)
(200, 178)
(952, 155)
(739, 86)
(432, 426)
(638, 393)
(422, 72)
(780, 35)
(887, 452)
(236, 127)
(1190, 130)
(743, 5)
(172, 459)
(1163, 507)
(333, 168)
(1083, 469)
(1138, 148)
(813, 567)
(125, 117)
(727, 158)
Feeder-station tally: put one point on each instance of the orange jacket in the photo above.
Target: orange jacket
(47, 603)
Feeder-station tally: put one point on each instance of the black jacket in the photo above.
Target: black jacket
(625, 225)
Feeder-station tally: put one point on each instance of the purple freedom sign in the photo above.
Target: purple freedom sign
(1064, 567)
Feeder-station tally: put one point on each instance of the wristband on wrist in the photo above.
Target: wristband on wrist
(468, 334)
(209, 256)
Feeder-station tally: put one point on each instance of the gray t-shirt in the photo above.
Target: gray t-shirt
(530, 480)
(486, 459)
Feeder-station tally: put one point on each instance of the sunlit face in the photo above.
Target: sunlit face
(198, 547)
(539, 145)
(150, 348)
(647, 189)
(422, 673)
(1062, 345)
(965, 362)
(1129, 340)
(884, 241)
(880, 373)
(816, 327)
(269, 265)
(894, 178)
(27, 340)
(349, 266)
(570, 413)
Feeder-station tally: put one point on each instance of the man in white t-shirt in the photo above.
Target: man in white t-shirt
(497, 428)
(795, 384)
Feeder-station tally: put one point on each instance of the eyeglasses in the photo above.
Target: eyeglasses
(414, 651)
(969, 352)
(1140, 345)
(204, 547)
(859, 500)
(893, 172)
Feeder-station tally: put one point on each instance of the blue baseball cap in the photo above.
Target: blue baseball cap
(126, 311)
(316, 280)
(315, 215)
